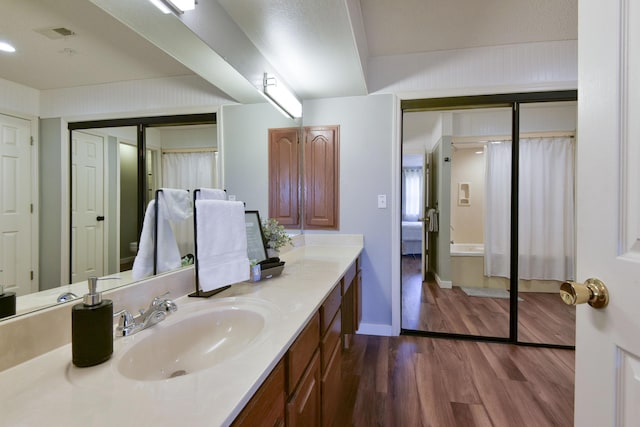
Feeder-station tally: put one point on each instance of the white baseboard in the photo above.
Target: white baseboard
(376, 329)
(443, 284)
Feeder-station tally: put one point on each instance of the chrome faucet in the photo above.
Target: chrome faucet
(158, 310)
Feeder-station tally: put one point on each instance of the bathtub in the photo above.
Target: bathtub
(467, 269)
(467, 249)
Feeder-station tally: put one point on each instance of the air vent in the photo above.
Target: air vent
(55, 33)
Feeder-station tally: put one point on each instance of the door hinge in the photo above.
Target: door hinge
(31, 140)
(31, 207)
(31, 274)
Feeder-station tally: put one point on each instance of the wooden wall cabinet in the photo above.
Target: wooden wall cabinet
(284, 178)
(321, 177)
(318, 190)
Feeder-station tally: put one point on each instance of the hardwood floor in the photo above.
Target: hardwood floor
(418, 381)
(542, 317)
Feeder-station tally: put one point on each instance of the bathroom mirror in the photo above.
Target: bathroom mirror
(241, 140)
(108, 208)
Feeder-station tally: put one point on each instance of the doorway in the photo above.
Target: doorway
(496, 256)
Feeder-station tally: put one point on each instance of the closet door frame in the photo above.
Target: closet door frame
(512, 101)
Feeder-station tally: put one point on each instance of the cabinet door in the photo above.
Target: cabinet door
(321, 177)
(284, 176)
(304, 406)
(266, 407)
(332, 387)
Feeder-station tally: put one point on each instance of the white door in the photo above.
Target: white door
(607, 389)
(87, 206)
(15, 205)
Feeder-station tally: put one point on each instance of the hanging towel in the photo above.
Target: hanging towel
(174, 205)
(212, 194)
(432, 216)
(222, 243)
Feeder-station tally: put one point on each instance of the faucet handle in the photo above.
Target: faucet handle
(126, 323)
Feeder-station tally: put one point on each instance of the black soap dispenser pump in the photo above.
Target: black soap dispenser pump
(7, 302)
(92, 328)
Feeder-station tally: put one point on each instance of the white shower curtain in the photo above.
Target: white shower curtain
(188, 171)
(546, 209)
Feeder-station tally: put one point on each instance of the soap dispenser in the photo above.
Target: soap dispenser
(7, 302)
(92, 328)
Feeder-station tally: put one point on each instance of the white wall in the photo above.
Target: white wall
(366, 146)
(245, 151)
(180, 137)
(367, 138)
(496, 69)
(16, 98)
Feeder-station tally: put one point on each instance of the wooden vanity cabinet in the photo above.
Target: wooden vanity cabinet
(351, 302)
(267, 406)
(305, 389)
(304, 405)
(331, 354)
(303, 377)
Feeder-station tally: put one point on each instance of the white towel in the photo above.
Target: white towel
(212, 194)
(222, 243)
(432, 215)
(174, 205)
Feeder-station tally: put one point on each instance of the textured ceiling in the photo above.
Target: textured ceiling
(319, 47)
(414, 26)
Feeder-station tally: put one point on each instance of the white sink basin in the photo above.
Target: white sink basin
(212, 333)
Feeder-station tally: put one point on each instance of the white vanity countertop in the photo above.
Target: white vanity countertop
(49, 390)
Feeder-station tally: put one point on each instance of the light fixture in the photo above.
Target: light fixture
(281, 97)
(6, 47)
(176, 6)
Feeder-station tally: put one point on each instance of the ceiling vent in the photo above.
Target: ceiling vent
(55, 33)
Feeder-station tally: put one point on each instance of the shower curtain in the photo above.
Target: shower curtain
(412, 194)
(188, 171)
(546, 209)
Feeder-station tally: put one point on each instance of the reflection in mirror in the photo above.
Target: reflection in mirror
(183, 157)
(115, 213)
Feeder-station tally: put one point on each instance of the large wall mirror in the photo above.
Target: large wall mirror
(116, 168)
(130, 172)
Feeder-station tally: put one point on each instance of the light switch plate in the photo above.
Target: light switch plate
(382, 201)
(231, 198)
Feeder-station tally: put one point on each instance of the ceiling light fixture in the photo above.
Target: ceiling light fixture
(6, 47)
(281, 97)
(176, 6)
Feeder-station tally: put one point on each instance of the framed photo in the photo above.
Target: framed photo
(256, 248)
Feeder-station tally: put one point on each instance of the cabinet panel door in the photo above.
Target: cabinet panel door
(321, 177)
(267, 406)
(332, 387)
(284, 176)
(304, 406)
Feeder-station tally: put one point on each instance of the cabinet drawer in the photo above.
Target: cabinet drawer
(329, 308)
(332, 387)
(267, 406)
(301, 351)
(303, 408)
(330, 339)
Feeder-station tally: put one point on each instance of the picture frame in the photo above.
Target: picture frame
(256, 246)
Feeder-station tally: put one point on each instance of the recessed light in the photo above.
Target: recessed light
(6, 47)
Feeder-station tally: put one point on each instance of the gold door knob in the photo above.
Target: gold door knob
(592, 291)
